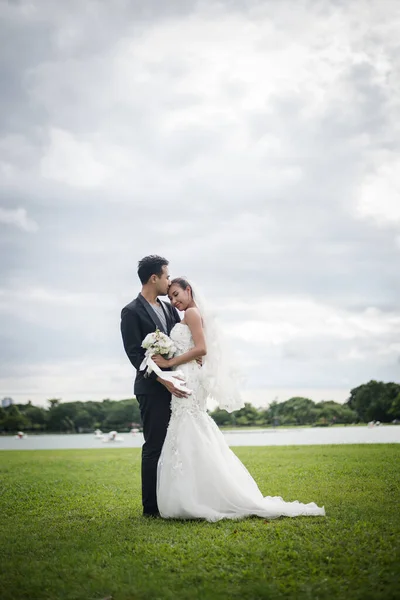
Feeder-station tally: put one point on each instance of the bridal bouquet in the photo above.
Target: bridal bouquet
(159, 343)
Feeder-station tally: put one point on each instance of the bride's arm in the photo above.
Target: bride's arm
(193, 321)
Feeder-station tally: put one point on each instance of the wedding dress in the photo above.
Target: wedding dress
(198, 475)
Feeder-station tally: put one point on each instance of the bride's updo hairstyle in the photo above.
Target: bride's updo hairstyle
(183, 283)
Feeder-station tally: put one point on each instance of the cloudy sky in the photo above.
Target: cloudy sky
(253, 143)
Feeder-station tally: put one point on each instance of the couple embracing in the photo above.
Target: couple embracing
(188, 470)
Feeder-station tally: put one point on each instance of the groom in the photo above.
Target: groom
(142, 316)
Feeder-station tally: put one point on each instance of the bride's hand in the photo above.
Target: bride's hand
(161, 361)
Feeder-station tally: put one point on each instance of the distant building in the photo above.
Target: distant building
(6, 402)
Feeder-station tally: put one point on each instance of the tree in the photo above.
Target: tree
(122, 414)
(295, 411)
(373, 401)
(333, 412)
(394, 410)
(270, 415)
(221, 417)
(36, 417)
(60, 416)
(82, 420)
(98, 412)
(2, 418)
(67, 425)
(54, 402)
(248, 415)
(14, 420)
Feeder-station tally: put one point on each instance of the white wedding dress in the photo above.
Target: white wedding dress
(198, 476)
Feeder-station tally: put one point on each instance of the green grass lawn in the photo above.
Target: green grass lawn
(72, 529)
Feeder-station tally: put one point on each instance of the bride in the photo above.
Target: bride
(198, 475)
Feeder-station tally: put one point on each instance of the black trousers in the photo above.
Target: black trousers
(156, 412)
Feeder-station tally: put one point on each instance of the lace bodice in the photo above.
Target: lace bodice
(183, 341)
(182, 338)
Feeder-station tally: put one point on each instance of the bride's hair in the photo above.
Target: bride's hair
(183, 283)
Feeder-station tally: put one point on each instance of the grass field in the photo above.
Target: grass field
(72, 529)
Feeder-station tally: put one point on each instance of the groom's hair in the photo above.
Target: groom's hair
(151, 265)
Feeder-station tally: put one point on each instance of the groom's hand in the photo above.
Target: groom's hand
(160, 361)
(172, 388)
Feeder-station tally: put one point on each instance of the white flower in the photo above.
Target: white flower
(158, 343)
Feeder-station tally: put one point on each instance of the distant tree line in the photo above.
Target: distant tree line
(71, 417)
(295, 411)
(373, 401)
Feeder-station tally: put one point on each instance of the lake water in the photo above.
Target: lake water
(388, 434)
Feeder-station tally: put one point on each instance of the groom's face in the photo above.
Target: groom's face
(163, 282)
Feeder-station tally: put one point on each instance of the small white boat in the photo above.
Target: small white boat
(21, 435)
(113, 437)
(98, 433)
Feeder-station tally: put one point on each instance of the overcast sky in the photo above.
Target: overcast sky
(255, 144)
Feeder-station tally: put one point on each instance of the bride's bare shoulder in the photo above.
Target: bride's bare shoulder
(193, 317)
(192, 312)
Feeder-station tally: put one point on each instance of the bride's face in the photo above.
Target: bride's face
(179, 298)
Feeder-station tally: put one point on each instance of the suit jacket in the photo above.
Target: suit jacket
(137, 320)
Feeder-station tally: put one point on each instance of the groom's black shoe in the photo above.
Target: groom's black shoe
(152, 515)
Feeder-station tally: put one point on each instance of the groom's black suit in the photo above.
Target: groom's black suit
(137, 320)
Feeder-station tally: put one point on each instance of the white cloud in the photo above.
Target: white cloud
(379, 196)
(162, 100)
(71, 161)
(17, 217)
(282, 319)
(305, 330)
(253, 144)
(12, 299)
